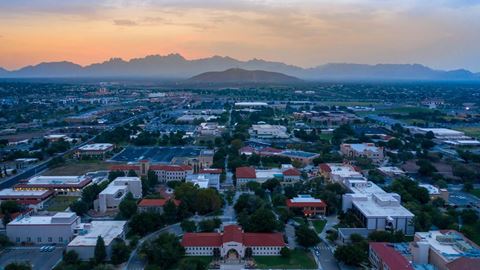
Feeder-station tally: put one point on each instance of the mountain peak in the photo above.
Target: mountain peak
(238, 75)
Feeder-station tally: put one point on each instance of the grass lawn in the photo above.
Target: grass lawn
(299, 220)
(319, 225)
(60, 203)
(78, 167)
(206, 259)
(470, 131)
(299, 259)
(476, 192)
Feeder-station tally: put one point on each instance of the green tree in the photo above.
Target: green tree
(285, 252)
(131, 173)
(209, 225)
(164, 251)
(188, 225)
(306, 237)
(262, 220)
(18, 266)
(120, 251)
(128, 206)
(192, 264)
(79, 207)
(100, 252)
(70, 257)
(351, 254)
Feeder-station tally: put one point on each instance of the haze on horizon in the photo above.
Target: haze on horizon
(442, 34)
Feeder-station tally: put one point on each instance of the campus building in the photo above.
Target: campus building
(308, 205)
(445, 250)
(154, 205)
(31, 198)
(232, 243)
(266, 131)
(111, 197)
(340, 173)
(97, 150)
(436, 192)
(383, 256)
(367, 150)
(377, 209)
(87, 234)
(57, 229)
(61, 185)
(287, 175)
(165, 173)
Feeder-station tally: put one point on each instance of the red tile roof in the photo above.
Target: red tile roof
(156, 202)
(464, 263)
(325, 168)
(292, 172)
(245, 172)
(389, 256)
(263, 239)
(270, 150)
(232, 233)
(202, 240)
(246, 149)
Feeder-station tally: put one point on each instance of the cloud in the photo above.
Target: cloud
(124, 22)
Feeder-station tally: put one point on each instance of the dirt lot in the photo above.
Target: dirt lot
(78, 168)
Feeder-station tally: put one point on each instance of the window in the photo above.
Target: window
(39, 239)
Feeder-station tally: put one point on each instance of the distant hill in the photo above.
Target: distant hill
(237, 75)
(175, 66)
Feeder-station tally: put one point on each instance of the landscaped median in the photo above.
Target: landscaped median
(298, 259)
(319, 224)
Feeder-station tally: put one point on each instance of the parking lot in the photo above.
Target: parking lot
(156, 154)
(40, 260)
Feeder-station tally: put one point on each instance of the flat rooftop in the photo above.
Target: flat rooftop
(58, 218)
(370, 208)
(343, 170)
(55, 180)
(442, 131)
(304, 199)
(361, 147)
(449, 244)
(295, 153)
(89, 232)
(23, 193)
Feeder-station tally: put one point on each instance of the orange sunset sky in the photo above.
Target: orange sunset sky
(441, 34)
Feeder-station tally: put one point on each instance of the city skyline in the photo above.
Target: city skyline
(442, 35)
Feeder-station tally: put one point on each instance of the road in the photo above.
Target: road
(325, 256)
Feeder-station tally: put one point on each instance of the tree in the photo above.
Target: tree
(170, 212)
(207, 200)
(131, 173)
(128, 206)
(216, 253)
(70, 257)
(192, 264)
(18, 266)
(10, 207)
(164, 251)
(112, 175)
(469, 216)
(100, 252)
(351, 254)
(209, 225)
(248, 252)
(262, 220)
(271, 184)
(285, 252)
(143, 223)
(188, 225)
(306, 237)
(120, 251)
(79, 207)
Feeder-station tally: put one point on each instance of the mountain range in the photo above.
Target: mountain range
(175, 66)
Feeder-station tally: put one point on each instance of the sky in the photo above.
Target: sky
(443, 34)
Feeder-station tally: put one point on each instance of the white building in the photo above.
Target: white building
(340, 173)
(94, 150)
(251, 104)
(368, 150)
(205, 180)
(377, 209)
(209, 129)
(266, 131)
(40, 230)
(34, 199)
(61, 185)
(115, 192)
(448, 136)
(84, 243)
(287, 175)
